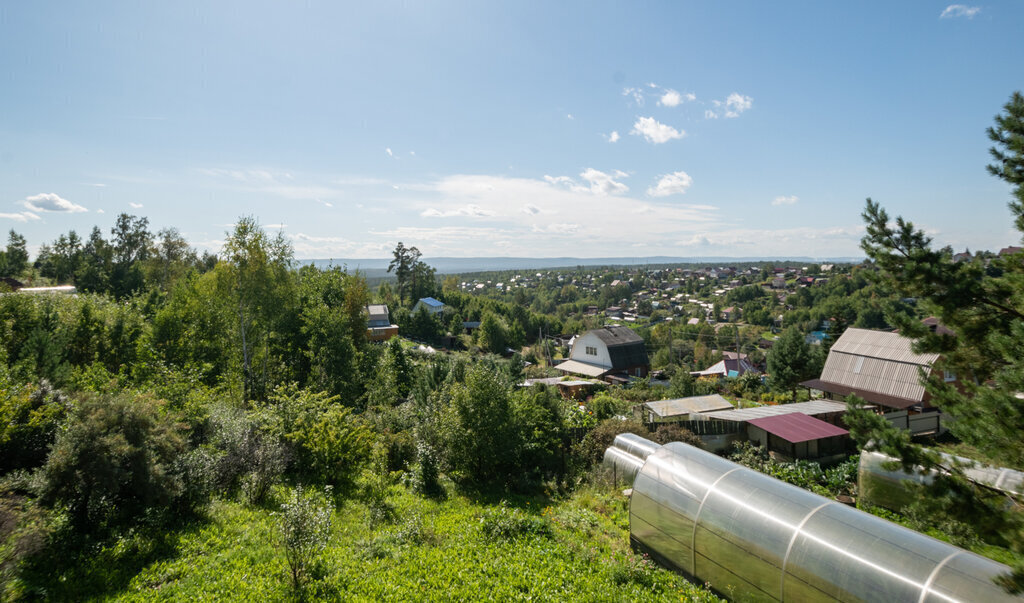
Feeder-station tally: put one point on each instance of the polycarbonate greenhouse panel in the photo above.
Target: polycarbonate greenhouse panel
(884, 487)
(755, 538)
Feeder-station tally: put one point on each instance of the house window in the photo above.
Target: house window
(948, 376)
(591, 351)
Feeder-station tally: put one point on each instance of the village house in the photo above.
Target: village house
(881, 368)
(378, 323)
(612, 353)
(432, 305)
(731, 365)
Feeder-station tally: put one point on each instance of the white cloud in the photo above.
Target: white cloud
(471, 211)
(783, 200)
(286, 185)
(959, 10)
(570, 117)
(675, 183)
(100, 211)
(388, 151)
(613, 137)
(558, 212)
(560, 180)
(655, 132)
(556, 228)
(595, 181)
(51, 202)
(604, 184)
(135, 205)
(98, 185)
(671, 98)
(275, 226)
(636, 93)
(736, 104)
(23, 216)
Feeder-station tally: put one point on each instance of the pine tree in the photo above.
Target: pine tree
(791, 361)
(985, 310)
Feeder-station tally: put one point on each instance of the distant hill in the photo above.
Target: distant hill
(377, 267)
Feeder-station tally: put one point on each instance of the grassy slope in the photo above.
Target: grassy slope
(435, 551)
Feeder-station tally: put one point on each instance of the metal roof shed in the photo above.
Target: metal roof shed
(798, 427)
(813, 408)
(799, 436)
(680, 408)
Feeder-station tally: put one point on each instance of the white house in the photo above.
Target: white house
(432, 305)
(611, 353)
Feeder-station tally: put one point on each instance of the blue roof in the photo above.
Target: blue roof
(430, 301)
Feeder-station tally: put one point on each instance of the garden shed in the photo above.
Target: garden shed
(796, 436)
(680, 409)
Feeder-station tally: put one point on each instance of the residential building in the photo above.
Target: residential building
(730, 366)
(878, 366)
(378, 323)
(612, 353)
(432, 305)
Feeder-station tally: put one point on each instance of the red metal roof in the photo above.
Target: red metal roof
(797, 427)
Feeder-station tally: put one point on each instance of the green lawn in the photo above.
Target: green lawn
(432, 551)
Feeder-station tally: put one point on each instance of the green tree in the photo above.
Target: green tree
(332, 314)
(131, 242)
(97, 260)
(492, 335)
(170, 259)
(985, 310)
(16, 256)
(791, 360)
(255, 278)
(478, 430)
(403, 265)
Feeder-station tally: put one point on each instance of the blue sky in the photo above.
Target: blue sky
(586, 129)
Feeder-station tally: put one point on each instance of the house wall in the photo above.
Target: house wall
(586, 340)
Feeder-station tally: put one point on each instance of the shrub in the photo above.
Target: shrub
(673, 432)
(28, 423)
(244, 456)
(374, 495)
(114, 461)
(424, 477)
(504, 523)
(330, 443)
(305, 531)
(630, 568)
(591, 449)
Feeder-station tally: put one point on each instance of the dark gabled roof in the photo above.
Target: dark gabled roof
(797, 427)
(625, 347)
(616, 336)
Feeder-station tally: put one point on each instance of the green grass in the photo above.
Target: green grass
(575, 549)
